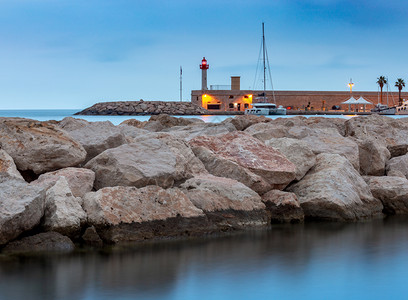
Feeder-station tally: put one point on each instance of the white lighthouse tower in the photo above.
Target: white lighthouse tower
(204, 67)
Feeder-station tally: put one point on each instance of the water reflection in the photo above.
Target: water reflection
(311, 261)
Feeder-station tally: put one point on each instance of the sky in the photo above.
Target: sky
(73, 53)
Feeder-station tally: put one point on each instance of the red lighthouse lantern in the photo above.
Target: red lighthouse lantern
(204, 65)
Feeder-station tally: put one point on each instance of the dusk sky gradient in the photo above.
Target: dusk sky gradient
(72, 54)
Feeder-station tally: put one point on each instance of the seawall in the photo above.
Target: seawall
(130, 108)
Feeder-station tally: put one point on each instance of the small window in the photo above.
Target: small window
(231, 105)
(246, 105)
(213, 106)
(231, 97)
(246, 97)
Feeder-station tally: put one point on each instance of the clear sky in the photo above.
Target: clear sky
(73, 53)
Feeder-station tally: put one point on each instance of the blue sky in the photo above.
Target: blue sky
(71, 54)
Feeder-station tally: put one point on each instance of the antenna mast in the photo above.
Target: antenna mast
(264, 66)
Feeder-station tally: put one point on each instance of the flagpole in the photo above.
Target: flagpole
(181, 84)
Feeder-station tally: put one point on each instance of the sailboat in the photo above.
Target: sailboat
(262, 106)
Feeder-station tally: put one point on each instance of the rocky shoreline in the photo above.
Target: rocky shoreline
(70, 183)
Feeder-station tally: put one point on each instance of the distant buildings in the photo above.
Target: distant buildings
(232, 98)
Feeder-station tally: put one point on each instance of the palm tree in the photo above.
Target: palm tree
(400, 83)
(381, 81)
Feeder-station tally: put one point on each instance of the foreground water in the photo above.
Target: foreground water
(311, 261)
(59, 114)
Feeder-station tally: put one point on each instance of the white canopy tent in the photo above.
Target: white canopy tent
(356, 102)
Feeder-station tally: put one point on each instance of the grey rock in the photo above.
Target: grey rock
(297, 151)
(95, 137)
(398, 164)
(42, 242)
(7, 165)
(63, 211)
(39, 146)
(163, 161)
(283, 207)
(392, 191)
(334, 190)
(21, 207)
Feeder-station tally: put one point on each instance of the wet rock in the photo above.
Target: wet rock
(39, 146)
(92, 238)
(270, 165)
(163, 161)
(392, 191)
(95, 137)
(297, 151)
(7, 165)
(21, 207)
(42, 242)
(130, 214)
(398, 164)
(283, 207)
(334, 190)
(63, 211)
(226, 202)
(80, 180)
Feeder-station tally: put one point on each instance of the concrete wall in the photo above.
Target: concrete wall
(234, 100)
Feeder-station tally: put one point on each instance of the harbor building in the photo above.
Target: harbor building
(232, 98)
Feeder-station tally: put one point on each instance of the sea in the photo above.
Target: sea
(316, 261)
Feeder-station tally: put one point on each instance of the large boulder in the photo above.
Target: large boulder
(272, 168)
(242, 122)
(334, 190)
(130, 214)
(398, 164)
(43, 242)
(200, 129)
(391, 132)
(319, 137)
(163, 161)
(283, 207)
(164, 121)
(373, 156)
(21, 207)
(297, 151)
(226, 202)
(392, 191)
(63, 211)
(80, 180)
(7, 165)
(95, 137)
(39, 146)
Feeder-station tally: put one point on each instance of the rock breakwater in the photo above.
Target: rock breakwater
(93, 183)
(129, 108)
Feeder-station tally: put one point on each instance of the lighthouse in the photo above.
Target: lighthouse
(204, 67)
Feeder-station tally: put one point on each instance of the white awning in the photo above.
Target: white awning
(352, 100)
(361, 100)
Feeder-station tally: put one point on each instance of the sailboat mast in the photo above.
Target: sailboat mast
(264, 66)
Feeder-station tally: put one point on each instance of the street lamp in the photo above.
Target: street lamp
(351, 84)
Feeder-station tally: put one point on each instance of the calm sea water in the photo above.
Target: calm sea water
(311, 261)
(59, 114)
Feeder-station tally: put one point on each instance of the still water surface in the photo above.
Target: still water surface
(59, 114)
(311, 261)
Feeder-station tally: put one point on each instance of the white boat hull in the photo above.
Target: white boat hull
(265, 112)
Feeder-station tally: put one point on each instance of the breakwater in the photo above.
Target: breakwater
(95, 183)
(144, 108)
